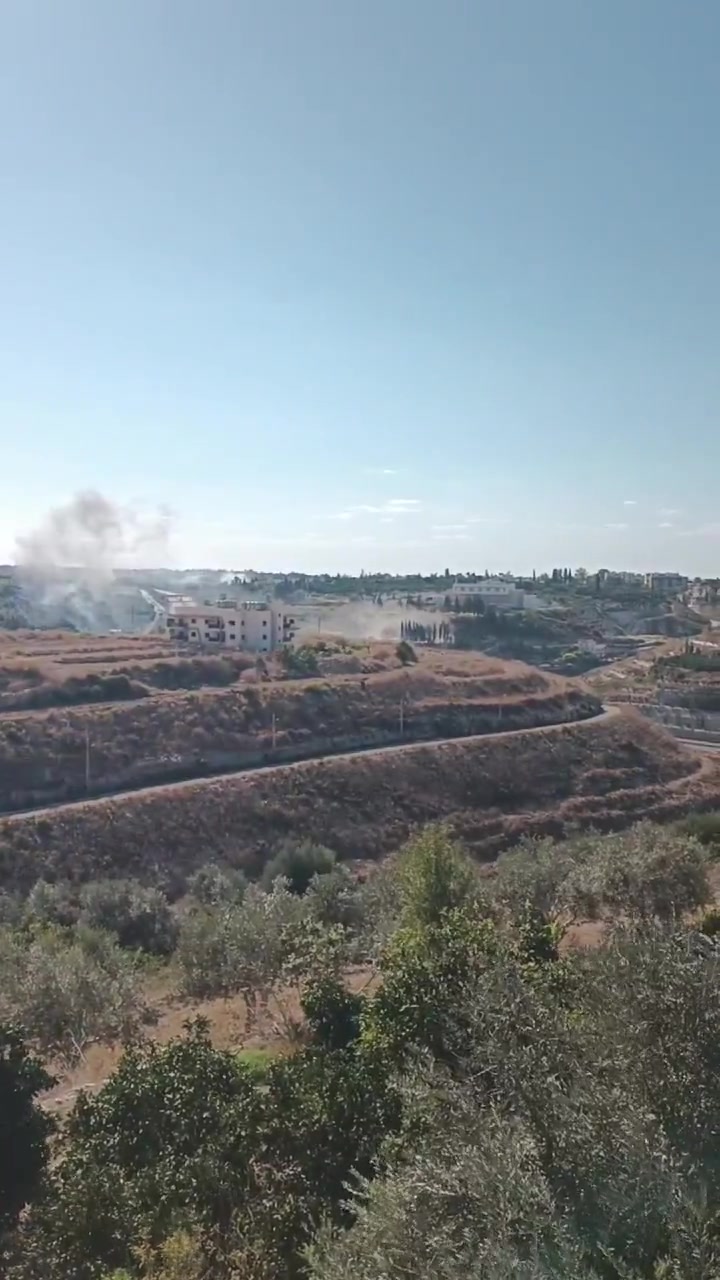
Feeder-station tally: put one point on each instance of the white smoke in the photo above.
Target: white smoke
(67, 566)
(90, 532)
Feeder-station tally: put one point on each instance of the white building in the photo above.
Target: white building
(251, 625)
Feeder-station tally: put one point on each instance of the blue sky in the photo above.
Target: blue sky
(379, 283)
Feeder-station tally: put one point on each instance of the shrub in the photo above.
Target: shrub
(24, 1128)
(136, 916)
(298, 862)
(405, 653)
(66, 991)
(705, 827)
(214, 885)
(54, 904)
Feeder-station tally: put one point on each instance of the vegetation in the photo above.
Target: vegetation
(605, 773)
(498, 1105)
(298, 862)
(173, 735)
(24, 1129)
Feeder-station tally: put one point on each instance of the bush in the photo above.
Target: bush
(66, 991)
(298, 863)
(24, 1128)
(705, 827)
(54, 904)
(214, 885)
(136, 916)
(405, 653)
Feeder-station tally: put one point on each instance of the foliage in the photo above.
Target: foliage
(24, 1128)
(66, 991)
(54, 904)
(497, 1106)
(168, 1142)
(214, 885)
(333, 1013)
(182, 1145)
(405, 653)
(434, 876)
(136, 916)
(705, 827)
(298, 861)
(647, 871)
(299, 662)
(263, 949)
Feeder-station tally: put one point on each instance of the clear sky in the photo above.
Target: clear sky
(378, 283)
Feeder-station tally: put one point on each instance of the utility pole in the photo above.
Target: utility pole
(87, 758)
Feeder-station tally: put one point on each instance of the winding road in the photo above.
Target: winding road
(608, 713)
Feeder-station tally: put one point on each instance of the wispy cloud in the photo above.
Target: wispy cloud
(618, 526)
(630, 502)
(381, 471)
(451, 537)
(665, 524)
(449, 528)
(670, 511)
(487, 520)
(391, 507)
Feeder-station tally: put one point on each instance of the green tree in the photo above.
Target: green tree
(297, 861)
(405, 653)
(24, 1127)
(69, 990)
(136, 916)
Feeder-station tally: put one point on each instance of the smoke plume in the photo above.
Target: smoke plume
(92, 533)
(68, 566)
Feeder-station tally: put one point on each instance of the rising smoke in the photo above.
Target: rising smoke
(67, 567)
(92, 533)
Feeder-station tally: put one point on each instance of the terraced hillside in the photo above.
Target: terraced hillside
(607, 772)
(360, 696)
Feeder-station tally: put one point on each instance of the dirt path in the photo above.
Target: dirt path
(608, 713)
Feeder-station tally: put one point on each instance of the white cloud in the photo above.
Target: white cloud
(381, 471)
(629, 502)
(670, 511)
(449, 528)
(618, 526)
(487, 520)
(451, 537)
(665, 524)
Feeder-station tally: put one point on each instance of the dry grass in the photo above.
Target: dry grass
(491, 790)
(172, 735)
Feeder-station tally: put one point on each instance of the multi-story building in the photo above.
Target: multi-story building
(251, 625)
(665, 582)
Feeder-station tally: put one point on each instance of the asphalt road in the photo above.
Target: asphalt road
(607, 713)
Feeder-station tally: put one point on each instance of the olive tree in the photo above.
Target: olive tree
(68, 991)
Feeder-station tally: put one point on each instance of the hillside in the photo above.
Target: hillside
(360, 696)
(606, 772)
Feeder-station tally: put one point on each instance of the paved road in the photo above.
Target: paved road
(607, 713)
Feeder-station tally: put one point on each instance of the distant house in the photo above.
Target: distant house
(666, 583)
(250, 625)
(498, 593)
